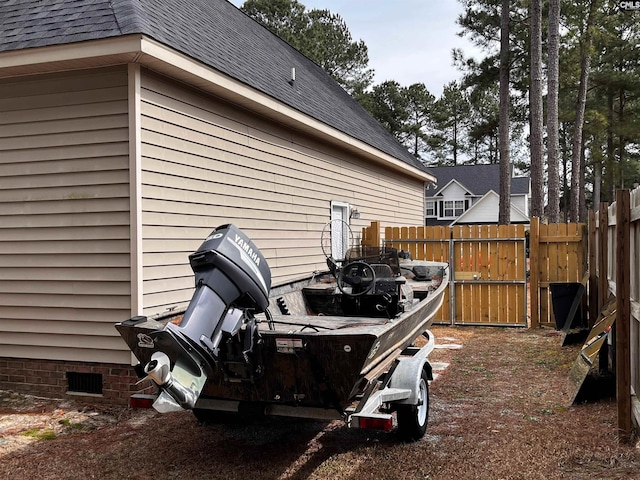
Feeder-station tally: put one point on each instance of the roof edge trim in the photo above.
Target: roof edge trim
(127, 44)
(233, 89)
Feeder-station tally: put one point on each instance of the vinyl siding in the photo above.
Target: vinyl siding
(520, 202)
(64, 216)
(453, 192)
(206, 163)
(485, 211)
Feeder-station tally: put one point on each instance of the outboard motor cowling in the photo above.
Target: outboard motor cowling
(233, 281)
(229, 258)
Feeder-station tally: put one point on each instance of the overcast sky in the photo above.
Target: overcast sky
(409, 41)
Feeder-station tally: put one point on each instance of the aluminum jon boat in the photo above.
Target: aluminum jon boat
(342, 345)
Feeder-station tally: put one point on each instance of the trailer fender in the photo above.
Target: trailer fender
(409, 371)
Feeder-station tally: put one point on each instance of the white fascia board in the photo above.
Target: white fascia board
(127, 45)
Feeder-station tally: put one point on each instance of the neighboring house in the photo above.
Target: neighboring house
(129, 129)
(469, 194)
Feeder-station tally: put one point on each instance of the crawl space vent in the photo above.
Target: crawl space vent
(84, 382)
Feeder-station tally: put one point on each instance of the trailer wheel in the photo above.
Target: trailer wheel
(412, 419)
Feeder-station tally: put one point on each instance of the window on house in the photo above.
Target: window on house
(430, 208)
(453, 208)
(447, 208)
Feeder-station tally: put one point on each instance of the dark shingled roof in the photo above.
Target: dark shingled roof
(213, 32)
(478, 179)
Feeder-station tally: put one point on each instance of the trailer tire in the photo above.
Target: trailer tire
(412, 419)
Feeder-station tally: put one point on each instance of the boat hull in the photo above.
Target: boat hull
(308, 360)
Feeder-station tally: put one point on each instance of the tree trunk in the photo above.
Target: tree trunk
(564, 155)
(585, 66)
(455, 141)
(504, 215)
(582, 206)
(596, 153)
(565, 188)
(597, 179)
(535, 105)
(621, 139)
(610, 182)
(553, 141)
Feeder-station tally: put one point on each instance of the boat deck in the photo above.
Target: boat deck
(298, 317)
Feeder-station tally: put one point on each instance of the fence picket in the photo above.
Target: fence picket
(545, 252)
(485, 311)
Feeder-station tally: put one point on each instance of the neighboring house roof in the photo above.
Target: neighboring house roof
(213, 32)
(485, 211)
(478, 179)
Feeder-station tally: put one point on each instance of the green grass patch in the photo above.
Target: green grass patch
(69, 424)
(40, 434)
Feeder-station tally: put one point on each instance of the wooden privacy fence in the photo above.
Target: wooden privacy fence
(614, 249)
(488, 271)
(488, 268)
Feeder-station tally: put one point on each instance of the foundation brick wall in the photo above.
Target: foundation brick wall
(48, 378)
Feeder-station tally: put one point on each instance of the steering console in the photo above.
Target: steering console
(359, 276)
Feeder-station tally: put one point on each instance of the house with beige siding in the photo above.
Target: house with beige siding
(129, 129)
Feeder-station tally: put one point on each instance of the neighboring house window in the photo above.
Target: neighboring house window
(430, 208)
(453, 208)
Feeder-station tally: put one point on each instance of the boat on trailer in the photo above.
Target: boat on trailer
(340, 345)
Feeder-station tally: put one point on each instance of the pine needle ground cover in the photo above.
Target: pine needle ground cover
(499, 410)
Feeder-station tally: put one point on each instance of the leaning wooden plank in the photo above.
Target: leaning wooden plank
(592, 345)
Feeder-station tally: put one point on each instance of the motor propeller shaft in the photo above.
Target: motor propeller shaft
(159, 371)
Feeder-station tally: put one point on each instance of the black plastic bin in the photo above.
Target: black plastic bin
(566, 299)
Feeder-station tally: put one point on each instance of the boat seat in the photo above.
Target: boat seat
(382, 270)
(385, 281)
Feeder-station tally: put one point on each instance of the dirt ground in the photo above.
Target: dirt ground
(499, 410)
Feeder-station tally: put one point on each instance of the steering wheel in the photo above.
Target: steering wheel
(360, 276)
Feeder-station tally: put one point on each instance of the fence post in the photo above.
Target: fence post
(371, 235)
(452, 280)
(534, 287)
(593, 281)
(623, 308)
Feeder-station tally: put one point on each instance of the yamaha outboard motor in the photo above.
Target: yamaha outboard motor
(218, 329)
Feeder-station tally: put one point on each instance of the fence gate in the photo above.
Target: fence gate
(558, 254)
(488, 269)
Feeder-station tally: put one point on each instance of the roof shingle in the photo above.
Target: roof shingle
(213, 32)
(478, 179)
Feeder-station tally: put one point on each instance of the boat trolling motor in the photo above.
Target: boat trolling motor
(218, 329)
